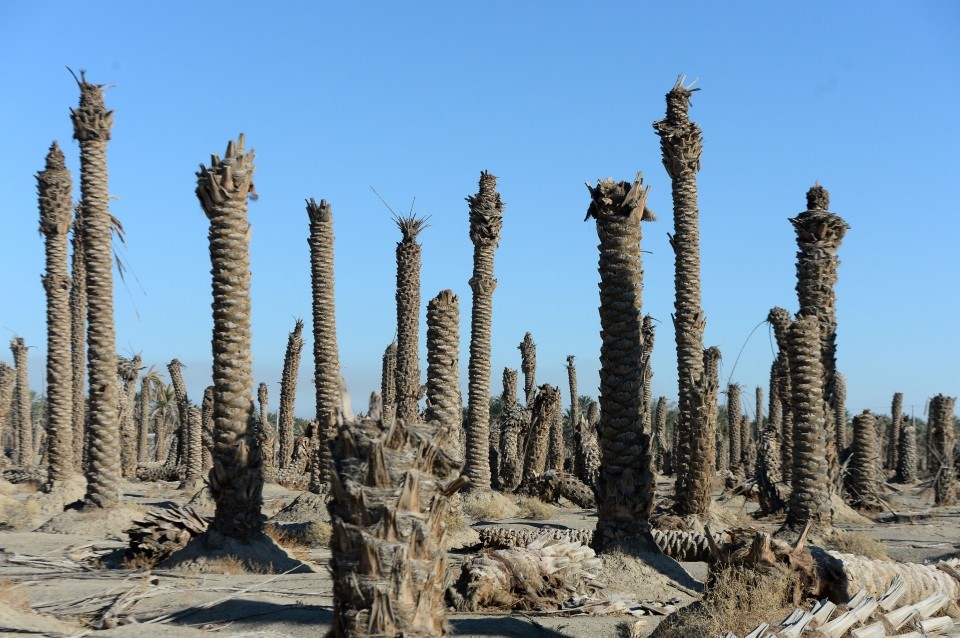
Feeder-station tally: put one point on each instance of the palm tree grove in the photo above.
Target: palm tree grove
(455, 497)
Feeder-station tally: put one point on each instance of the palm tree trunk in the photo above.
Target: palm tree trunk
(663, 452)
(681, 143)
(236, 480)
(129, 371)
(907, 455)
(183, 410)
(819, 233)
(486, 220)
(78, 341)
(444, 402)
(780, 321)
(556, 450)
(893, 440)
(863, 482)
(625, 487)
(528, 364)
(194, 464)
(408, 318)
(8, 377)
(267, 441)
(733, 425)
(288, 395)
(143, 421)
(942, 439)
(91, 128)
(649, 335)
(839, 407)
(538, 441)
(207, 429)
(388, 383)
(55, 186)
(810, 498)
(326, 355)
(26, 454)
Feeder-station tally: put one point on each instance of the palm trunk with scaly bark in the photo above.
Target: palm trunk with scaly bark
(780, 321)
(326, 354)
(91, 128)
(538, 441)
(207, 428)
(511, 465)
(810, 498)
(486, 220)
(143, 421)
(444, 401)
(907, 455)
(863, 482)
(8, 377)
(129, 372)
(574, 396)
(819, 233)
(893, 440)
(660, 447)
(839, 408)
(288, 394)
(408, 318)
(556, 448)
(268, 442)
(625, 488)
(942, 438)
(528, 365)
(78, 340)
(236, 479)
(682, 144)
(54, 186)
(388, 383)
(26, 455)
(733, 425)
(649, 334)
(183, 409)
(194, 465)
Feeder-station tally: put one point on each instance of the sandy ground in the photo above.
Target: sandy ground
(51, 581)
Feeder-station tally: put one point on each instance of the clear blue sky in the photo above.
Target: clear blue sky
(417, 98)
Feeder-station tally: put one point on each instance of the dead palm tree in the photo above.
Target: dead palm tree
(819, 233)
(288, 394)
(528, 364)
(91, 128)
(55, 186)
(810, 497)
(862, 480)
(78, 340)
(129, 371)
(408, 317)
(388, 383)
(486, 221)
(625, 487)
(893, 440)
(183, 409)
(574, 395)
(733, 425)
(144, 415)
(8, 377)
(236, 480)
(682, 144)
(326, 354)
(26, 452)
(444, 402)
(780, 321)
(942, 438)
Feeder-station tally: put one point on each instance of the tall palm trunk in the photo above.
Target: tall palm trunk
(511, 465)
(207, 429)
(839, 407)
(733, 425)
(143, 421)
(129, 372)
(408, 318)
(942, 439)
(194, 437)
(907, 454)
(863, 481)
(780, 321)
(538, 441)
(486, 220)
(388, 383)
(78, 341)
(55, 186)
(8, 377)
(91, 128)
(893, 440)
(649, 335)
(444, 402)
(236, 480)
(819, 233)
(660, 449)
(183, 410)
(26, 453)
(288, 394)
(574, 397)
(326, 355)
(810, 498)
(682, 144)
(528, 364)
(625, 487)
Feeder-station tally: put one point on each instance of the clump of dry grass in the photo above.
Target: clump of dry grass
(737, 600)
(298, 535)
(11, 593)
(534, 509)
(488, 506)
(233, 565)
(855, 543)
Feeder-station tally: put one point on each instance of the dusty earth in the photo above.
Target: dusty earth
(59, 580)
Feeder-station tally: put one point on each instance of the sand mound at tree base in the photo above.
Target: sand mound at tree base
(212, 552)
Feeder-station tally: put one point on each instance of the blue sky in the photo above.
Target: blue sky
(415, 99)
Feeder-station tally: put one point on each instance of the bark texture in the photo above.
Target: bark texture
(54, 188)
(288, 391)
(863, 482)
(26, 453)
(183, 408)
(8, 376)
(780, 321)
(408, 318)
(91, 128)
(528, 365)
(236, 479)
(893, 439)
(661, 445)
(144, 419)
(78, 340)
(625, 487)
(574, 396)
(129, 372)
(733, 425)
(391, 489)
(942, 439)
(839, 411)
(486, 220)
(538, 441)
(810, 498)
(326, 354)
(907, 456)
(388, 383)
